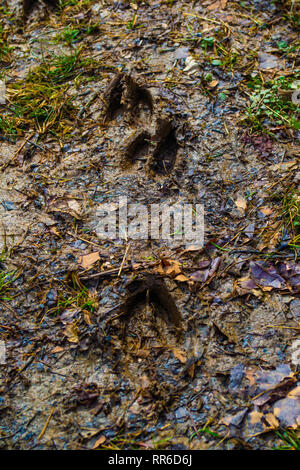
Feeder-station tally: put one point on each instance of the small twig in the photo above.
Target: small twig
(46, 424)
(119, 420)
(123, 261)
(116, 270)
(16, 153)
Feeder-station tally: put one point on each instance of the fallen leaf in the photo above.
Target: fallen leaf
(241, 204)
(99, 441)
(191, 66)
(266, 277)
(87, 317)
(213, 83)
(291, 272)
(214, 266)
(170, 267)
(263, 383)
(244, 285)
(180, 355)
(203, 275)
(235, 419)
(266, 210)
(66, 205)
(267, 412)
(71, 332)
(57, 349)
(181, 278)
(255, 424)
(88, 260)
(69, 315)
(218, 5)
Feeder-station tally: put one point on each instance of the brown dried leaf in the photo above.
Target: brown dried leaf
(266, 210)
(88, 260)
(241, 204)
(71, 332)
(57, 349)
(99, 441)
(266, 276)
(218, 5)
(181, 278)
(244, 286)
(170, 267)
(180, 355)
(87, 317)
(66, 205)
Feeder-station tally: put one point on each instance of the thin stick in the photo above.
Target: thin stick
(46, 424)
(123, 261)
(16, 152)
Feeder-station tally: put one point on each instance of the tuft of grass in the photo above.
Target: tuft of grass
(80, 299)
(68, 4)
(6, 279)
(271, 106)
(288, 214)
(75, 294)
(290, 11)
(42, 101)
(291, 215)
(205, 430)
(5, 49)
(8, 126)
(290, 439)
(68, 35)
(131, 24)
(285, 48)
(71, 35)
(58, 70)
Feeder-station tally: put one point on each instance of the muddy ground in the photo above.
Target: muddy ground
(147, 344)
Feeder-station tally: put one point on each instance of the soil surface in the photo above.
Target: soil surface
(147, 344)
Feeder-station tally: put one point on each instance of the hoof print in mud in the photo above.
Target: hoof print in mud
(155, 138)
(164, 157)
(29, 5)
(124, 95)
(135, 148)
(150, 292)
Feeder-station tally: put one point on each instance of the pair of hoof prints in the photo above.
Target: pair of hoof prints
(155, 135)
(154, 140)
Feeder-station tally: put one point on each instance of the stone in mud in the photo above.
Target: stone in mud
(295, 308)
(267, 61)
